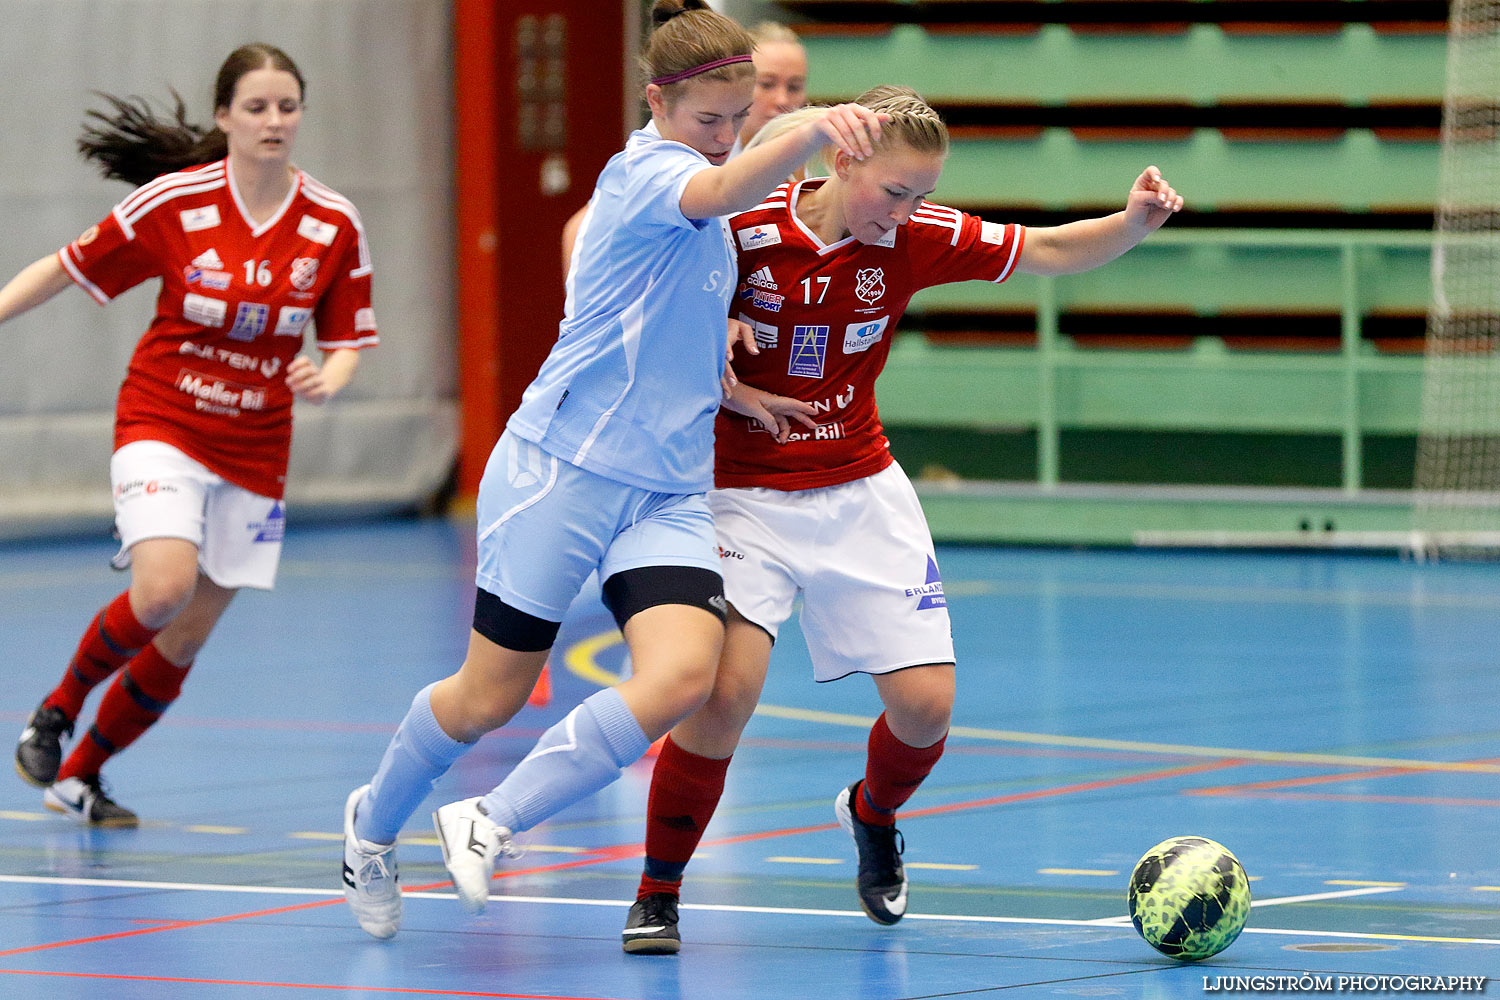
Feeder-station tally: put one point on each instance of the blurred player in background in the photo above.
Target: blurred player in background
(248, 249)
(817, 507)
(603, 467)
(780, 64)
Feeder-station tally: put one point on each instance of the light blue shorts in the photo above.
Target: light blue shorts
(545, 525)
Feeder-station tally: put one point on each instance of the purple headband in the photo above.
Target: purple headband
(662, 81)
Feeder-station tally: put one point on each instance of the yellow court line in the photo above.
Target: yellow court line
(315, 835)
(228, 831)
(941, 866)
(579, 659)
(780, 859)
(27, 816)
(1136, 746)
(1074, 871)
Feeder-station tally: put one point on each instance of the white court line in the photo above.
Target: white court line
(1104, 923)
(1313, 897)
(1124, 921)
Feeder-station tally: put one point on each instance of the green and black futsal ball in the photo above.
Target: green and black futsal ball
(1189, 898)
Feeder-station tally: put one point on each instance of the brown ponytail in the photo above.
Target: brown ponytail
(130, 143)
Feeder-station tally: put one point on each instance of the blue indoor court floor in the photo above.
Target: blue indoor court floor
(1334, 720)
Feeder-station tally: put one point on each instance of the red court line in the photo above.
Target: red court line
(619, 852)
(293, 986)
(1411, 800)
(1000, 800)
(1249, 789)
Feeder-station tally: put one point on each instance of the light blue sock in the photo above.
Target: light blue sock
(578, 756)
(419, 754)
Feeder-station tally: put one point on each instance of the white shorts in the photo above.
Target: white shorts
(161, 493)
(861, 556)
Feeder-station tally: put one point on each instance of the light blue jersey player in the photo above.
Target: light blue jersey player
(602, 467)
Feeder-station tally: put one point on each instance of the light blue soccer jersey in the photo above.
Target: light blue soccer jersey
(631, 387)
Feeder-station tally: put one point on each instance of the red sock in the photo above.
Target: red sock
(685, 790)
(893, 771)
(113, 637)
(137, 698)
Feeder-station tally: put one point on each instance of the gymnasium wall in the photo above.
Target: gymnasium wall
(377, 129)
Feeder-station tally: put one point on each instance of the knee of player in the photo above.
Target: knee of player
(693, 681)
(488, 709)
(732, 698)
(157, 598)
(925, 712)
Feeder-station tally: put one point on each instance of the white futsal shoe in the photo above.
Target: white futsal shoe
(471, 843)
(371, 883)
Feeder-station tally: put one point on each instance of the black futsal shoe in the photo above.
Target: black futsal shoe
(882, 877)
(651, 927)
(39, 752)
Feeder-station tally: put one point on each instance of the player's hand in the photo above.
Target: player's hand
(306, 381)
(740, 332)
(852, 128)
(1152, 202)
(774, 413)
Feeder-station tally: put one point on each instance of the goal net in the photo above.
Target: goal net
(1457, 482)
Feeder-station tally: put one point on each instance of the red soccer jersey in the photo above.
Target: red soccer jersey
(824, 316)
(209, 375)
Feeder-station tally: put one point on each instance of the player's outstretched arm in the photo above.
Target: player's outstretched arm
(1088, 243)
(36, 283)
(740, 184)
(317, 385)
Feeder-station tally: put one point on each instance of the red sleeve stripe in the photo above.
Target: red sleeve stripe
(321, 194)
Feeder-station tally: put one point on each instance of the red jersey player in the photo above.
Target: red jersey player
(250, 251)
(820, 509)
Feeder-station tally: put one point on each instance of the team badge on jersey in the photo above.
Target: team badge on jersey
(862, 336)
(756, 237)
(250, 321)
(89, 235)
(809, 350)
(196, 219)
(317, 230)
(869, 283)
(992, 232)
(304, 273)
(364, 320)
(931, 591)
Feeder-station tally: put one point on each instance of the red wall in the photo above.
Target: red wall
(535, 82)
